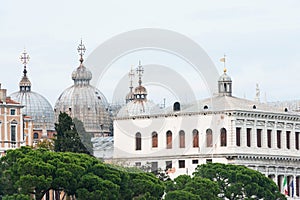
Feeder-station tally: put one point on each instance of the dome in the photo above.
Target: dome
(140, 90)
(129, 97)
(138, 108)
(37, 107)
(224, 76)
(85, 102)
(139, 104)
(82, 73)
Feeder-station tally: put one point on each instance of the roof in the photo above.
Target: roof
(36, 106)
(103, 143)
(10, 101)
(138, 108)
(223, 103)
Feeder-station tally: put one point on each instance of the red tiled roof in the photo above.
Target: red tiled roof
(10, 101)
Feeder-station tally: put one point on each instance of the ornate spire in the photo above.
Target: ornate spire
(140, 71)
(81, 50)
(140, 92)
(131, 76)
(130, 95)
(25, 84)
(24, 59)
(81, 75)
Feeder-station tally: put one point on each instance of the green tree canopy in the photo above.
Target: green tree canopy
(181, 195)
(67, 138)
(187, 187)
(26, 172)
(239, 182)
(85, 137)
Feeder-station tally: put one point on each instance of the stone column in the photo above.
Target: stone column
(292, 138)
(243, 135)
(264, 137)
(283, 138)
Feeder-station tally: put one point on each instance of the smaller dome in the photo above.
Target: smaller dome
(129, 97)
(138, 108)
(82, 74)
(140, 90)
(224, 77)
(140, 93)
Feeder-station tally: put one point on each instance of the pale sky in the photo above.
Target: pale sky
(260, 38)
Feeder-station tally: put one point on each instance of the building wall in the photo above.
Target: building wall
(125, 130)
(267, 157)
(11, 120)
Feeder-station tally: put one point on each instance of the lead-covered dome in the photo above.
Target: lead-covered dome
(139, 108)
(224, 76)
(35, 105)
(85, 102)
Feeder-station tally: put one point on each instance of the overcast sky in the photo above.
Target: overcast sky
(260, 38)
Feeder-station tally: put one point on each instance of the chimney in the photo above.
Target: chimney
(2, 94)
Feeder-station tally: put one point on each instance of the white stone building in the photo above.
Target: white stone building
(222, 128)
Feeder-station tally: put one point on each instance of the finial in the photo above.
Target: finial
(81, 50)
(223, 60)
(257, 95)
(140, 72)
(131, 75)
(24, 59)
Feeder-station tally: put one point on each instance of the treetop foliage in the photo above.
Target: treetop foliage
(28, 172)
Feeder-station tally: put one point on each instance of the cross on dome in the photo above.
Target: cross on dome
(140, 71)
(131, 76)
(81, 50)
(24, 58)
(25, 84)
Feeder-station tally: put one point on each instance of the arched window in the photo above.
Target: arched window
(176, 106)
(195, 138)
(154, 140)
(209, 138)
(138, 141)
(35, 136)
(169, 140)
(223, 137)
(181, 139)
